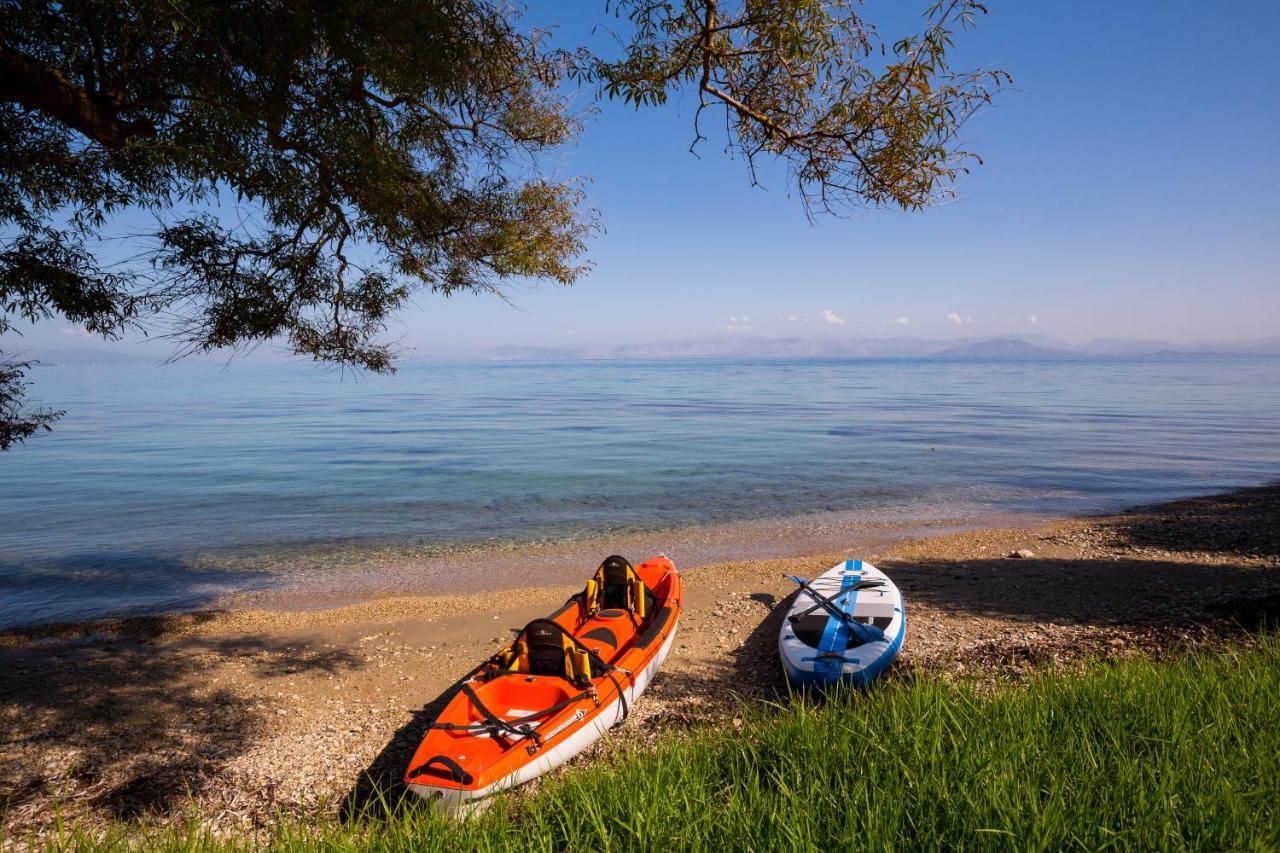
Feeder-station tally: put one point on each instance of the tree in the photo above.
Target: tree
(310, 164)
(18, 423)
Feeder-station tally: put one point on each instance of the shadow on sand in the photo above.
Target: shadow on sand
(1243, 523)
(127, 726)
(1085, 593)
(381, 786)
(121, 584)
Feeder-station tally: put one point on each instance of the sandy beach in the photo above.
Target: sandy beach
(238, 713)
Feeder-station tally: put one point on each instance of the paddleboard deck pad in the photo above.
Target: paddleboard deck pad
(846, 625)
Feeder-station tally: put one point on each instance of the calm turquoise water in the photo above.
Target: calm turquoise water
(156, 466)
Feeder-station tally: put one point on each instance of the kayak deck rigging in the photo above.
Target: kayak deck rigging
(555, 688)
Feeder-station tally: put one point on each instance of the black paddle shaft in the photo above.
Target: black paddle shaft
(831, 607)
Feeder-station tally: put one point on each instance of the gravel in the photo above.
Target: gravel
(241, 714)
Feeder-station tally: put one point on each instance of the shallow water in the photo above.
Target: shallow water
(165, 487)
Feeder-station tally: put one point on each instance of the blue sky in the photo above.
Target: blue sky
(1130, 189)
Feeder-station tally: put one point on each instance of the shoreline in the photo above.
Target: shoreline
(327, 576)
(241, 712)
(84, 590)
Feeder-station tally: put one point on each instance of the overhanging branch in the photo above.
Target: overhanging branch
(38, 87)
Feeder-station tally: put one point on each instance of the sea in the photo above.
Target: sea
(166, 487)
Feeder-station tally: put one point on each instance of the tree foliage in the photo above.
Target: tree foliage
(17, 422)
(859, 121)
(310, 164)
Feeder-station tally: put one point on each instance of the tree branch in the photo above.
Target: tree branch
(38, 87)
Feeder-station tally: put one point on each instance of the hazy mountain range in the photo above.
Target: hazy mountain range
(1004, 346)
(84, 356)
(743, 346)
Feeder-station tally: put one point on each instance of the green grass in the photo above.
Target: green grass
(1139, 755)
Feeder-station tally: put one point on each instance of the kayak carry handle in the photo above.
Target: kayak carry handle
(455, 769)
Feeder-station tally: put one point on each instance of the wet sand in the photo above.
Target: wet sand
(239, 713)
(327, 577)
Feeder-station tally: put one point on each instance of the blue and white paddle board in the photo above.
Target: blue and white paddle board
(846, 625)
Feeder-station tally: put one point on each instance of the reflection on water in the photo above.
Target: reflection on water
(154, 470)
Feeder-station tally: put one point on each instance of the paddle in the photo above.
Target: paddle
(864, 633)
(869, 584)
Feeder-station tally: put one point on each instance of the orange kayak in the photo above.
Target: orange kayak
(560, 685)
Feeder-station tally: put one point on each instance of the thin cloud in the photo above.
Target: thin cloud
(1033, 319)
(953, 317)
(829, 316)
(903, 321)
(738, 324)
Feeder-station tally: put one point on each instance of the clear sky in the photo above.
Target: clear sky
(1131, 189)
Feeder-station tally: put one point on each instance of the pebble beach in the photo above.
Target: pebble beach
(229, 716)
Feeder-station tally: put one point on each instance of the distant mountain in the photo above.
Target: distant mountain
(742, 346)
(1001, 348)
(1123, 347)
(750, 347)
(1135, 347)
(893, 347)
(519, 353)
(746, 346)
(83, 357)
(1259, 346)
(1007, 346)
(1045, 341)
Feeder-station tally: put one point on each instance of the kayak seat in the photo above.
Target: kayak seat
(547, 652)
(618, 576)
(616, 586)
(545, 648)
